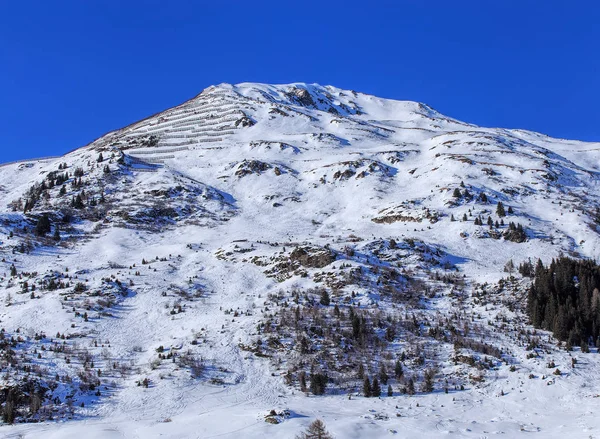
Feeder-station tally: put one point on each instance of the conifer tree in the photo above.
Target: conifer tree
(367, 389)
(428, 382)
(383, 375)
(361, 371)
(318, 383)
(43, 226)
(325, 299)
(410, 387)
(77, 202)
(500, 210)
(398, 371)
(375, 388)
(302, 379)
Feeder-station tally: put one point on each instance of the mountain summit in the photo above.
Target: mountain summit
(258, 243)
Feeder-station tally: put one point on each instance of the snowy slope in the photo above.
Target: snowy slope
(221, 195)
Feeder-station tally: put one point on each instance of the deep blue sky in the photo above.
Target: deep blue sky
(72, 70)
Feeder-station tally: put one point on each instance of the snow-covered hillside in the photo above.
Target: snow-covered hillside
(183, 276)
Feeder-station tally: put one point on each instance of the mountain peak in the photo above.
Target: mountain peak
(259, 242)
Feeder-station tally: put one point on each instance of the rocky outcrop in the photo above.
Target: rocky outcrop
(312, 257)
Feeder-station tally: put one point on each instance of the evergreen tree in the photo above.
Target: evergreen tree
(8, 410)
(428, 382)
(500, 210)
(375, 388)
(390, 333)
(43, 226)
(410, 387)
(456, 193)
(100, 158)
(302, 379)
(56, 236)
(367, 389)
(398, 371)
(325, 300)
(383, 376)
(318, 383)
(77, 202)
(361, 371)
(390, 391)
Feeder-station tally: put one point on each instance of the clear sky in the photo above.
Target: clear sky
(72, 70)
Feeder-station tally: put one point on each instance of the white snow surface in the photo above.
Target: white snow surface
(321, 163)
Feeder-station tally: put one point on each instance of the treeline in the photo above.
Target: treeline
(565, 299)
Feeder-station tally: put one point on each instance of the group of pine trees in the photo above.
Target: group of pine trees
(515, 231)
(565, 299)
(371, 389)
(318, 383)
(468, 196)
(57, 178)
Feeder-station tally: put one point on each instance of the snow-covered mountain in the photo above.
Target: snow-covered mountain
(184, 275)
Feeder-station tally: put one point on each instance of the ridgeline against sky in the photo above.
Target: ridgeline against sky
(77, 70)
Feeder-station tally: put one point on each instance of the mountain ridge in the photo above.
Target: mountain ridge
(258, 243)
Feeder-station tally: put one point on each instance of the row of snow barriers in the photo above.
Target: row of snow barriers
(200, 122)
